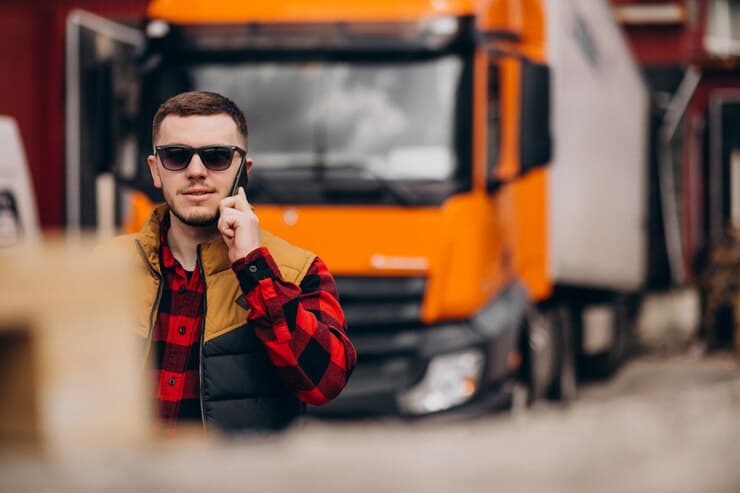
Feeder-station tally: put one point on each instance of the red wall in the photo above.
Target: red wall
(32, 85)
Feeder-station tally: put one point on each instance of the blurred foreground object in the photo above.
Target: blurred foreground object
(663, 425)
(70, 369)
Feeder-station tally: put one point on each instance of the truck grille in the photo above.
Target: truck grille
(372, 303)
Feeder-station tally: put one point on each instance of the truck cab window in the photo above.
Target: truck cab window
(331, 128)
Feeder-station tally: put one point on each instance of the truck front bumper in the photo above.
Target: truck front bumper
(414, 371)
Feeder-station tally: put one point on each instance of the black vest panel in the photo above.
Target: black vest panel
(241, 389)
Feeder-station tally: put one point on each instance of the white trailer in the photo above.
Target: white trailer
(597, 197)
(598, 188)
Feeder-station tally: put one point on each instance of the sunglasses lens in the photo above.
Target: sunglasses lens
(175, 158)
(216, 158)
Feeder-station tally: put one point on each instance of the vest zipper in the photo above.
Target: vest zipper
(157, 301)
(202, 337)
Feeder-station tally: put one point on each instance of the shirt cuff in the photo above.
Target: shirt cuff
(257, 265)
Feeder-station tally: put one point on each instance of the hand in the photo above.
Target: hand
(238, 225)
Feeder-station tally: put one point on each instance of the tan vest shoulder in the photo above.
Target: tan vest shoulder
(292, 261)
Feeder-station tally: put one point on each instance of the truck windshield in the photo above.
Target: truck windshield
(349, 131)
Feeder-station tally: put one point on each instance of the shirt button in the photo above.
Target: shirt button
(181, 290)
(253, 268)
(181, 330)
(171, 382)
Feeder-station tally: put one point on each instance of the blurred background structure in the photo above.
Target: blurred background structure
(514, 195)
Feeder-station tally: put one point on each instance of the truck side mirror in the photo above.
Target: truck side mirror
(535, 139)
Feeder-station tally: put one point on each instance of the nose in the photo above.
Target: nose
(196, 168)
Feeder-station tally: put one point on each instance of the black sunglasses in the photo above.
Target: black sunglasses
(217, 158)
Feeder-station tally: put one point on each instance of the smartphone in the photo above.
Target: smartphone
(241, 179)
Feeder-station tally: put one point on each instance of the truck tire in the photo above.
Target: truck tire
(539, 351)
(606, 363)
(564, 387)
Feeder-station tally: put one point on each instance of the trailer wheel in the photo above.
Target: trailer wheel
(565, 384)
(605, 364)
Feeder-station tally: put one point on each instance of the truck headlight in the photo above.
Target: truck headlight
(450, 380)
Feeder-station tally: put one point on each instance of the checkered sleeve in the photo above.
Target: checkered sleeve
(302, 327)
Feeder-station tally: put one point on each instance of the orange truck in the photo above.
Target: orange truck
(473, 173)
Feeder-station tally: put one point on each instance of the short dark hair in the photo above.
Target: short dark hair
(197, 103)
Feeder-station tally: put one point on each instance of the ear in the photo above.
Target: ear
(248, 164)
(154, 170)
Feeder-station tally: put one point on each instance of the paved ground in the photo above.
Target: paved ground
(664, 424)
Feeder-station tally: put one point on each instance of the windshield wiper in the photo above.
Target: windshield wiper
(399, 195)
(322, 169)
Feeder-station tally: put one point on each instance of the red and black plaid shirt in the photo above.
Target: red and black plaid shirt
(302, 328)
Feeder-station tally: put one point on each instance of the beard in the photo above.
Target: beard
(201, 221)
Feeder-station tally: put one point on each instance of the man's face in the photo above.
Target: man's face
(193, 194)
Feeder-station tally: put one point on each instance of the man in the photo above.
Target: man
(243, 328)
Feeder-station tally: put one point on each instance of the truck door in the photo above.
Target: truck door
(102, 91)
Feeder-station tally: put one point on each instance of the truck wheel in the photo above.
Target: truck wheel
(565, 385)
(539, 353)
(604, 364)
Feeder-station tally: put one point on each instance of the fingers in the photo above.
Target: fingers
(232, 210)
(238, 225)
(228, 222)
(231, 219)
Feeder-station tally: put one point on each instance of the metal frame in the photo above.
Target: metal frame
(117, 32)
(670, 125)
